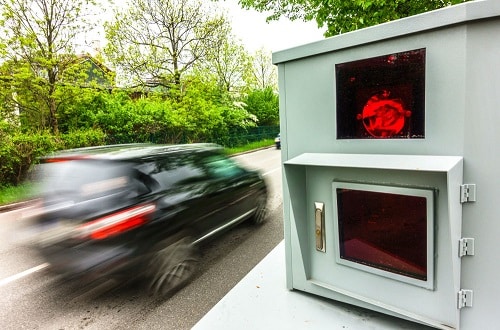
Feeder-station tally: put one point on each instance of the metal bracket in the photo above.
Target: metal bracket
(465, 247)
(465, 298)
(467, 193)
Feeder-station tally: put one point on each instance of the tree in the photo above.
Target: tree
(229, 61)
(156, 41)
(38, 44)
(264, 74)
(340, 16)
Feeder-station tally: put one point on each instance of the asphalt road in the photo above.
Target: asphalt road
(33, 298)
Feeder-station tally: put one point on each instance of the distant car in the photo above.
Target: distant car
(141, 210)
(277, 141)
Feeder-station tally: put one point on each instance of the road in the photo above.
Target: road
(33, 298)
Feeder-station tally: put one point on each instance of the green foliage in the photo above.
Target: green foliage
(208, 114)
(21, 93)
(250, 147)
(20, 151)
(340, 16)
(125, 120)
(37, 51)
(11, 194)
(81, 108)
(199, 111)
(82, 138)
(264, 104)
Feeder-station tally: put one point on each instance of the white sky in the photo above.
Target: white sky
(250, 26)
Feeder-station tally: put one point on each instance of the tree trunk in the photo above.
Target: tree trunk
(53, 116)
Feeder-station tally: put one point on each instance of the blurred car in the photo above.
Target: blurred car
(277, 141)
(124, 211)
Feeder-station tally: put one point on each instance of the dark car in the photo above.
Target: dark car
(277, 141)
(124, 211)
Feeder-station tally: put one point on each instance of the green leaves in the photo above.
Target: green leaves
(20, 151)
(39, 44)
(340, 16)
(264, 104)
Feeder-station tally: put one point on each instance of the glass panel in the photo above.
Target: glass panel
(384, 230)
(222, 167)
(382, 97)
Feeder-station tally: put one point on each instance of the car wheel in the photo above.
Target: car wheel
(173, 266)
(261, 210)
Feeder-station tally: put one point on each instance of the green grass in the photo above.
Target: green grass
(250, 146)
(15, 194)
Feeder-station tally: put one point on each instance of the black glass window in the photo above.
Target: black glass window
(384, 230)
(382, 97)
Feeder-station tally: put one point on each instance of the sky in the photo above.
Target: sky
(250, 27)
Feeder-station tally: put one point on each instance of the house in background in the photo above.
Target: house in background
(89, 71)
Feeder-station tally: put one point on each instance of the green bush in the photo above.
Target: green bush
(82, 138)
(198, 114)
(264, 104)
(20, 151)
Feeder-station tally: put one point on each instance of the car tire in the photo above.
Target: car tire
(260, 214)
(173, 266)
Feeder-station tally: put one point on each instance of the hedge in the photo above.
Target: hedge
(20, 151)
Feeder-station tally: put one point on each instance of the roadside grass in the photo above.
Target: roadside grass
(249, 147)
(12, 194)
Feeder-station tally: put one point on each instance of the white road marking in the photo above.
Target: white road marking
(22, 274)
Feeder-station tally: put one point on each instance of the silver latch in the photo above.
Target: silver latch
(465, 298)
(467, 193)
(319, 224)
(466, 247)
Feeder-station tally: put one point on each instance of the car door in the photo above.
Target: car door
(229, 190)
(182, 192)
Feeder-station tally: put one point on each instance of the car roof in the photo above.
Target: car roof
(133, 151)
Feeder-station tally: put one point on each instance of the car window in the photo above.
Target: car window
(219, 166)
(87, 179)
(171, 171)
